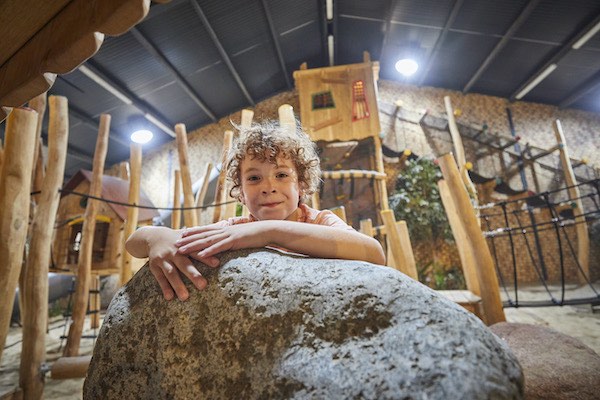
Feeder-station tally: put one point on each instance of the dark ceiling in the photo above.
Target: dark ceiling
(195, 61)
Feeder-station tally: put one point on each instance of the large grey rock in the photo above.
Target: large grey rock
(278, 326)
(556, 366)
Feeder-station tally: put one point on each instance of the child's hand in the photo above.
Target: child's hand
(202, 242)
(165, 261)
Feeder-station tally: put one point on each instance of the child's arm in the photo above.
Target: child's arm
(311, 239)
(158, 244)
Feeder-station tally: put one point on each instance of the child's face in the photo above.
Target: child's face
(269, 191)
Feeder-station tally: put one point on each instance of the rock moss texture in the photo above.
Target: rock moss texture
(277, 326)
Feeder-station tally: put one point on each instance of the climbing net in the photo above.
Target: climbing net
(534, 243)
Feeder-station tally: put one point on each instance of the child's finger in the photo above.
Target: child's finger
(212, 262)
(195, 237)
(162, 282)
(202, 243)
(175, 281)
(197, 229)
(185, 265)
(216, 248)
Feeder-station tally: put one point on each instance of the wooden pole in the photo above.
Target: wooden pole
(176, 214)
(38, 103)
(220, 193)
(15, 183)
(398, 246)
(135, 163)
(124, 170)
(70, 367)
(189, 216)
(459, 149)
(1, 156)
(202, 191)
(95, 302)
(583, 241)
(411, 265)
(246, 118)
(84, 265)
(286, 118)
(366, 227)
(464, 250)
(486, 274)
(35, 288)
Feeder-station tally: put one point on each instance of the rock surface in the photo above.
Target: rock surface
(278, 326)
(555, 365)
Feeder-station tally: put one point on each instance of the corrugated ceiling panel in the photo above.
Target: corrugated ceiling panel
(590, 102)
(356, 36)
(504, 75)
(491, 17)
(423, 12)
(286, 18)
(261, 71)
(375, 9)
(547, 22)
(303, 45)
(445, 71)
(181, 38)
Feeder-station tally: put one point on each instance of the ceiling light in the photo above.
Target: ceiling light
(536, 81)
(407, 66)
(588, 35)
(142, 136)
(329, 9)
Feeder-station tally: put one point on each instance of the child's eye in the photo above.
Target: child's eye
(253, 178)
(282, 175)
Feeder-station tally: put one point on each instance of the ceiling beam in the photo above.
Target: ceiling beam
(503, 42)
(585, 88)
(554, 59)
(103, 77)
(221, 50)
(276, 43)
(432, 54)
(157, 54)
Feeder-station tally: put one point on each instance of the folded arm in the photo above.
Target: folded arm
(318, 241)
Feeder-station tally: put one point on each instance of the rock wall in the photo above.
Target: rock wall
(277, 326)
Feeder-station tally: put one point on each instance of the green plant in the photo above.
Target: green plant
(417, 201)
(438, 277)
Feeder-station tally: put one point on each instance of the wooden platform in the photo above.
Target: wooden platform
(465, 299)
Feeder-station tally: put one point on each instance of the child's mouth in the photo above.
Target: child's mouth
(271, 204)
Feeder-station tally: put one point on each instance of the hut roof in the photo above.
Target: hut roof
(115, 189)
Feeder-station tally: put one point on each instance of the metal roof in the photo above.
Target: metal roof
(195, 61)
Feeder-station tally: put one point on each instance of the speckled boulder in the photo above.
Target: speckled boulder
(277, 326)
(556, 366)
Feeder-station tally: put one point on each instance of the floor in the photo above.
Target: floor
(579, 321)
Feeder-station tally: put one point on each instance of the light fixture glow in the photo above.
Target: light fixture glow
(587, 36)
(142, 136)
(536, 81)
(407, 66)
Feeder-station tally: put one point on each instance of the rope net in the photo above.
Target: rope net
(533, 241)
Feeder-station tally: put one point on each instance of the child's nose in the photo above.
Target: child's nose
(269, 186)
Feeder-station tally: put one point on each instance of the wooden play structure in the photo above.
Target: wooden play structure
(110, 223)
(339, 105)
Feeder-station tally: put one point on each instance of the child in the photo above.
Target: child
(273, 172)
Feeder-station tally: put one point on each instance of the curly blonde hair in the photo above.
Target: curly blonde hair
(267, 141)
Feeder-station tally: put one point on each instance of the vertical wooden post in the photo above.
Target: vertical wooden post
(15, 183)
(95, 302)
(38, 103)
(382, 189)
(286, 118)
(135, 163)
(35, 289)
(246, 118)
(394, 243)
(583, 241)
(220, 193)
(84, 265)
(189, 216)
(486, 274)
(409, 257)
(176, 214)
(460, 237)
(459, 149)
(1, 156)
(366, 227)
(124, 170)
(201, 194)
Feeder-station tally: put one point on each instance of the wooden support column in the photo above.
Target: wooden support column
(583, 240)
(459, 149)
(176, 214)
(70, 367)
(221, 191)
(399, 246)
(95, 302)
(189, 216)
(246, 123)
(366, 227)
(1, 156)
(135, 163)
(15, 183)
(464, 249)
(287, 120)
(38, 103)
(486, 274)
(84, 265)
(201, 194)
(35, 288)
(124, 170)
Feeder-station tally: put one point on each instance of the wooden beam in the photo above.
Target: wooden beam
(35, 288)
(486, 274)
(15, 183)
(84, 264)
(221, 190)
(189, 216)
(70, 367)
(201, 194)
(135, 163)
(583, 241)
(176, 214)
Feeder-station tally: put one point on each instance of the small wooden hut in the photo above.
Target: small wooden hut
(108, 237)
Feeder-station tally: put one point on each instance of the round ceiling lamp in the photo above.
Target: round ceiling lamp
(142, 136)
(407, 66)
